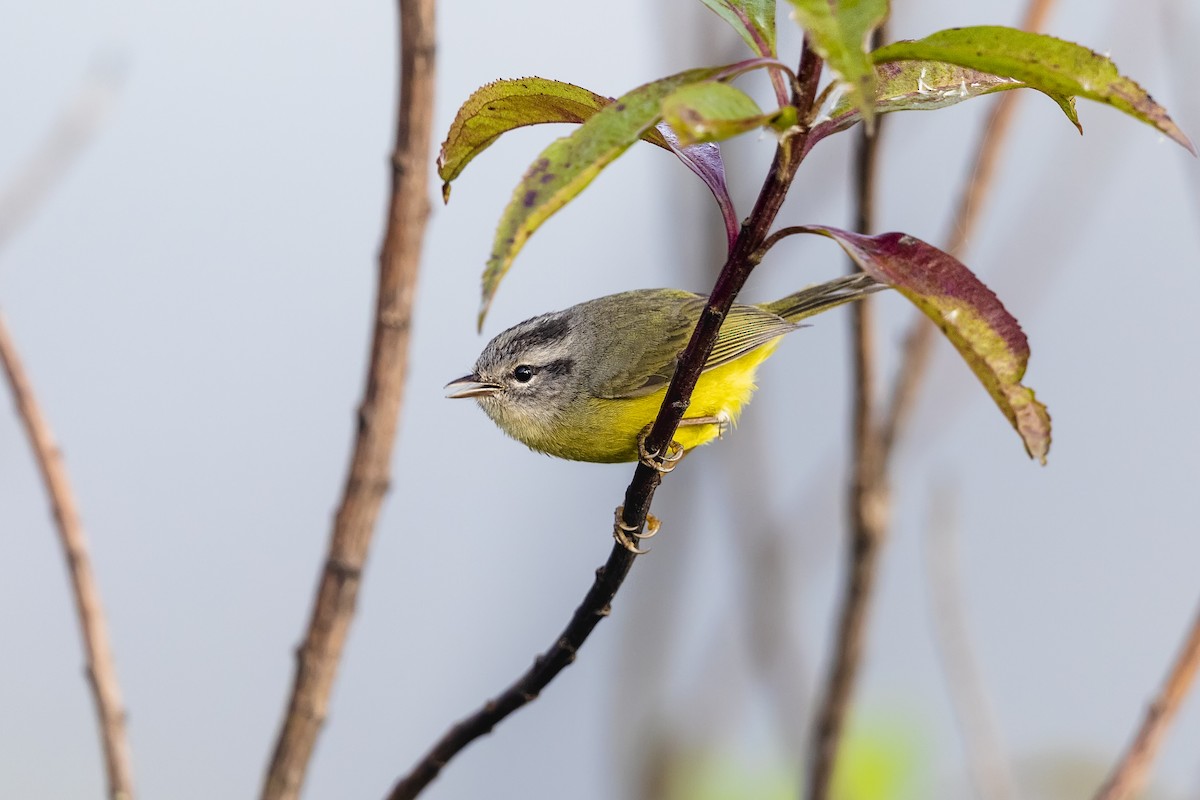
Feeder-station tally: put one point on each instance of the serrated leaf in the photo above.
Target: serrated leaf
(569, 164)
(754, 20)
(988, 338)
(505, 105)
(839, 31)
(713, 111)
(1054, 66)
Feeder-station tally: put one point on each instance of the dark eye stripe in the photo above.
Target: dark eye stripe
(562, 366)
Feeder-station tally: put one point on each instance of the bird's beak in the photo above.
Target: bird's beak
(471, 386)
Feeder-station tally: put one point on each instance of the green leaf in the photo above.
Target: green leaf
(569, 164)
(1054, 66)
(502, 106)
(914, 86)
(754, 20)
(712, 111)
(989, 339)
(839, 31)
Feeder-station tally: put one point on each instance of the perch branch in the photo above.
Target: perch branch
(101, 671)
(742, 259)
(369, 473)
(1130, 773)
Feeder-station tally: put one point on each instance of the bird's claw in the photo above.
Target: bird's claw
(628, 536)
(660, 462)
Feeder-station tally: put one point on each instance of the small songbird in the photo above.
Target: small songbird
(586, 383)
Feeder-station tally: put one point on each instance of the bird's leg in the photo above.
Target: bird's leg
(628, 536)
(721, 420)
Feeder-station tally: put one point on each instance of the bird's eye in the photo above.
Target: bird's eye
(523, 373)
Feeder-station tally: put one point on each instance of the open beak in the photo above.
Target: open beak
(471, 386)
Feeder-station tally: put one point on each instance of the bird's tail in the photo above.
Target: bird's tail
(823, 296)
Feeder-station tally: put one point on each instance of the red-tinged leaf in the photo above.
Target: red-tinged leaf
(1057, 67)
(754, 20)
(914, 86)
(839, 31)
(502, 106)
(989, 339)
(569, 164)
(705, 160)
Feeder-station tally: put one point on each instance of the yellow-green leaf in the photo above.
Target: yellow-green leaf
(569, 164)
(712, 111)
(914, 86)
(505, 105)
(1054, 66)
(839, 31)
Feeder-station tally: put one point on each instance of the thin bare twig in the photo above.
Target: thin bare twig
(1130, 773)
(986, 758)
(742, 259)
(919, 341)
(101, 671)
(369, 473)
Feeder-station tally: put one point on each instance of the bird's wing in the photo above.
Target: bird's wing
(745, 329)
(654, 356)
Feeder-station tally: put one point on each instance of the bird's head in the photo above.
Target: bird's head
(526, 376)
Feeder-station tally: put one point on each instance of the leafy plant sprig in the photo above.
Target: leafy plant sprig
(687, 114)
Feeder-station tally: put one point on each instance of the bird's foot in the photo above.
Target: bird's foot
(628, 536)
(661, 462)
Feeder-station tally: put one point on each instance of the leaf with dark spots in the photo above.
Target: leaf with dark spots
(575, 160)
(988, 338)
(1054, 66)
(502, 106)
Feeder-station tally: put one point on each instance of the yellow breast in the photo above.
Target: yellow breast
(608, 432)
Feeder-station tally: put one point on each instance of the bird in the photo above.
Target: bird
(587, 382)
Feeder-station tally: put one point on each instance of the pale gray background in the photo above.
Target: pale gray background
(192, 301)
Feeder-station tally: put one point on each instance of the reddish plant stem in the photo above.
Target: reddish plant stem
(743, 257)
(1129, 774)
(101, 670)
(367, 481)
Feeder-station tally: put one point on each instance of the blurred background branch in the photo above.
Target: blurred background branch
(74, 129)
(867, 492)
(1130, 773)
(987, 761)
(369, 475)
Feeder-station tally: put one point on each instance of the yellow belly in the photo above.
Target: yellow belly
(610, 431)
